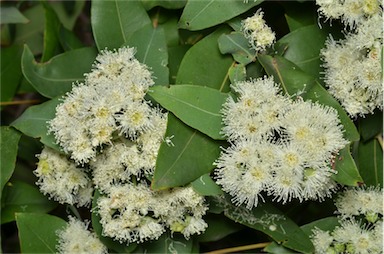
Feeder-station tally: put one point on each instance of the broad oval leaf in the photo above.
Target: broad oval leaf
(168, 4)
(272, 222)
(9, 140)
(187, 155)
(294, 81)
(237, 72)
(37, 232)
(236, 44)
(51, 33)
(371, 125)
(33, 122)
(56, 76)
(152, 50)
(114, 22)
(11, 15)
(218, 227)
(198, 15)
(203, 64)
(10, 74)
(325, 224)
(25, 198)
(370, 162)
(302, 47)
(197, 106)
(205, 186)
(347, 172)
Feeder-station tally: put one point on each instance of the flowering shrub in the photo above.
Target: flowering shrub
(192, 126)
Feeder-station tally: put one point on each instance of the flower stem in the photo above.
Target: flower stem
(239, 248)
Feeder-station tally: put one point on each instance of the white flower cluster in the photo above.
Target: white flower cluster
(106, 126)
(279, 146)
(354, 235)
(353, 66)
(75, 238)
(110, 99)
(351, 12)
(134, 213)
(258, 33)
(62, 180)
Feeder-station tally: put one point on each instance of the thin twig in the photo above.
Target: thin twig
(7, 103)
(239, 248)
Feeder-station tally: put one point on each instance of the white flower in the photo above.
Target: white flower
(282, 147)
(75, 238)
(322, 240)
(259, 34)
(59, 178)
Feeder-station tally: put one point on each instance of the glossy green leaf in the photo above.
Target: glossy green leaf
(237, 45)
(203, 64)
(325, 224)
(10, 71)
(370, 162)
(111, 244)
(56, 76)
(25, 198)
(176, 55)
(237, 72)
(273, 223)
(205, 186)
(168, 4)
(218, 228)
(197, 106)
(32, 32)
(170, 29)
(68, 40)
(300, 14)
(198, 15)
(294, 81)
(152, 50)
(114, 22)
(347, 172)
(11, 15)
(168, 243)
(37, 232)
(9, 140)
(371, 125)
(302, 47)
(276, 248)
(187, 156)
(33, 122)
(51, 40)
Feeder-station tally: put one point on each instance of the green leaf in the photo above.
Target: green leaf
(11, 15)
(56, 76)
(10, 71)
(68, 11)
(236, 44)
(218, 228)
(272, 222)
(152, 50)
(325, 224)
(111, 244)
(37, 232)
(33, 122)
(9, 140)
(168, 4)
(68, 40)
(197, 106)
(276, 248)
(370, 162)
(52, 26)
(294, 81)
(347, 172)
(302, 47)
(168, 243)
(32, 32)
(203, 64)
(300, 14)
(205, 186)
(114, 22)
(371, 125)
(23, 197)
(189, 155)
(198, 15)
(237, 72)
(176, 55)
